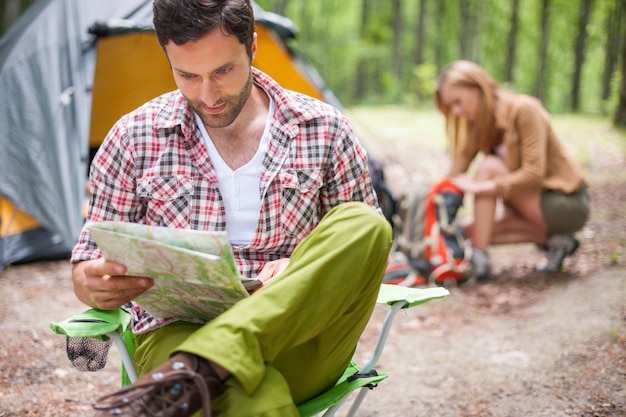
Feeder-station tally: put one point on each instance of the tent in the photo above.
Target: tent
(68, 70)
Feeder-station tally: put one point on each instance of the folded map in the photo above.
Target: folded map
(194, 271)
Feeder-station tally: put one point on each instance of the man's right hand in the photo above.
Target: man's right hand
(103, 285)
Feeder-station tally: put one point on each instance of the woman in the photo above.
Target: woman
(526, 187)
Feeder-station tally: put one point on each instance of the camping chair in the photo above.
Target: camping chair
(106, 327)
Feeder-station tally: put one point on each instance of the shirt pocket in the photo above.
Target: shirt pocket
(168, 200)
(300, 201)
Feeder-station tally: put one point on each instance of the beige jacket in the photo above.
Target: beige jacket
(535, 156)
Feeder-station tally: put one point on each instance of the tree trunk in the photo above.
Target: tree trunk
(440, 41)
(397, 40)
(619, 119)
(464, 34)
(280, 7)
(585, 13)
(470, 34)
(419, 34)
(512, 43)
(540, 83)
(360, 81)
(613, 24)
(418, 57)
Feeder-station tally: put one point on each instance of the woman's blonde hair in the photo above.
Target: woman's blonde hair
(479, 134)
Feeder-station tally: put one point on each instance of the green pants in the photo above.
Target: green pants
(292, 339)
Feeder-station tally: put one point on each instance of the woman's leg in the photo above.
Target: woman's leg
(519, 220)
(480, 228)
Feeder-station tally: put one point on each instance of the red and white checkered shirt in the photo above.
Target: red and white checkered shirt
(154, 168)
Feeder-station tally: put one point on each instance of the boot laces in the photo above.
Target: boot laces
(159, 395)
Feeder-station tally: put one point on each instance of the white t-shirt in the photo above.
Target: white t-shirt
(240, 188)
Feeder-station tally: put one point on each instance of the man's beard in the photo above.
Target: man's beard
(235, 105)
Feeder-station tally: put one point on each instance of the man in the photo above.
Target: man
(284, 175)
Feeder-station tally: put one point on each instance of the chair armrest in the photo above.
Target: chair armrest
(103, 325)
(391, 294)
(94, 323)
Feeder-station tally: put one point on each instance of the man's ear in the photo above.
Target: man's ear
(253, 47)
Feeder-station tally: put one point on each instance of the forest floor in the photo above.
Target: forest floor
(522, 344)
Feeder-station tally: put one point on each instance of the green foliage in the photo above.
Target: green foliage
(333, 37)
(340, 43)
(423, 83)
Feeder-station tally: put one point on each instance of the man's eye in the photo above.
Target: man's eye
(186, 75)
(222, 71)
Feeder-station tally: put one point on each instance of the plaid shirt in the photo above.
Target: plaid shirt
(154, 168)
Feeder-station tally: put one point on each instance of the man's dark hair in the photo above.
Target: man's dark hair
(182, 21)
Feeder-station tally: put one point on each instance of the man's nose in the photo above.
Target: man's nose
(209, 94)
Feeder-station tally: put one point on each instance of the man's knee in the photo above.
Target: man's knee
(360, 217)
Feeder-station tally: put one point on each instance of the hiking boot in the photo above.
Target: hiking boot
(480, 265)
(181, 386)
(558, 247)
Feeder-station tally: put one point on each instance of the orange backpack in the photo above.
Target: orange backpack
(429, 236)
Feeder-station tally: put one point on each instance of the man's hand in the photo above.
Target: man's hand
(103, 285)
(271, 269)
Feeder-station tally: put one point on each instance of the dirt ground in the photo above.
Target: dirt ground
(523, 344)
